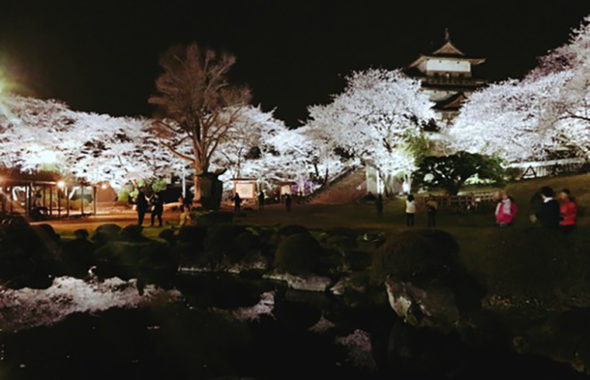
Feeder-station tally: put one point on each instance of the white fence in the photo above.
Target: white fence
(536, 169)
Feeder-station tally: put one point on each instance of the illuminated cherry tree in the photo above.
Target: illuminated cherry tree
(545, 115)
(571, 109)
(510, 119)
(247, 141)
(41, 134)
(371, 120)
(271, 153)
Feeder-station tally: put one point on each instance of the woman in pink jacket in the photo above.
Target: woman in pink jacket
(506, 210)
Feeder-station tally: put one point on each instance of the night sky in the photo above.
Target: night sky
(103, 57)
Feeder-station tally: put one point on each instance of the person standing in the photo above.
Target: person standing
(157, 208)
(505, 210)
(379, 205)
(431, 210)
(288, 202)
(568, 209)
(548, 214)
(141, 205)
(237, 203)
(261, 200)
(184, 211)
(410, 210)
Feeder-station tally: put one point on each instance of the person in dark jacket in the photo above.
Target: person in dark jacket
(141, 204)
(237, 203)
(261, 200)
(548, 214)
(157, 208)
(431, 210)
(379, 205)
(288, 200)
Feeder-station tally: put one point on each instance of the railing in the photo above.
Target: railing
(463, 203)
(538, 169)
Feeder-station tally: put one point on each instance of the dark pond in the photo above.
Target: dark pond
(226, 326)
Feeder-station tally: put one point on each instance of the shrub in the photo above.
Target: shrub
(77, 256)
(221, 237)
(299, 254)
(132, 233)
(214, 217)
(292, 229)
(105, 233)
(418, 256)
(26, 259)
(244, 244)
(194, 236)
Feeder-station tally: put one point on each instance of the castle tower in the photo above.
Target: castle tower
(447, 77)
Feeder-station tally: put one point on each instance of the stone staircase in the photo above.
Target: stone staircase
(345, 189)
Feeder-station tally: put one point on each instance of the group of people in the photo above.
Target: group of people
(559, 211)
(431, 211)
(553, 211)
(142, 205)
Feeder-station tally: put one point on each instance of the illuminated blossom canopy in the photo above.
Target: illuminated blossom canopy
(260, 146)
(46, 134)
(372, 119)
(38, 134)
(545, 115)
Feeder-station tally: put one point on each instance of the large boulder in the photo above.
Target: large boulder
(433, 305)
(426, 283)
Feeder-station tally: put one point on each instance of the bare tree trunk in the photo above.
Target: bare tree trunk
(197, 186)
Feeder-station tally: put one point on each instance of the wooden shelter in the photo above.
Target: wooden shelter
(43, 194)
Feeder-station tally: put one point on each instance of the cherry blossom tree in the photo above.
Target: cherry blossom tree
(37, 134)
(571, 109)
(510, 120)
(371, 120)
(247, 140)
(544, 115)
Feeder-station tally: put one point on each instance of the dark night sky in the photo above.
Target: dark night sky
(102, 57)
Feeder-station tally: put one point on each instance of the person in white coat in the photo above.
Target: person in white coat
(410, 210)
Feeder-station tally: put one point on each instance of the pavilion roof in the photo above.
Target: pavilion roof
(447, 50)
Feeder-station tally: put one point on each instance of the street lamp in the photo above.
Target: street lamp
(61, 184)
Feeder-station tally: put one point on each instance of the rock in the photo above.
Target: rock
(349, 284)
(309, 283)
(432, 306)
(360, 353)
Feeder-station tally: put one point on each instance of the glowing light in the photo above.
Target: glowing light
(104, 186)
(61, 184)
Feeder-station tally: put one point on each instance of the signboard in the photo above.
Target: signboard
(246, 188)
(285, 189)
